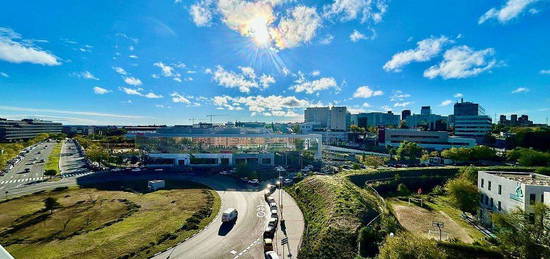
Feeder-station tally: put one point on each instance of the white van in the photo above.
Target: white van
(229, 215)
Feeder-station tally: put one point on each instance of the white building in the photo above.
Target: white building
(506, 191)
(437, 140)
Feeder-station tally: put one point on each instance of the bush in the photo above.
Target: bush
(403, 190)
(406, 245)
(463, 194)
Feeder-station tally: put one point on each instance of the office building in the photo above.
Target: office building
(505, 191)
(467, 109)
(523, 120)
(142, 129)
(425, 110)
(17, 130)
(405, 114)
(436, 140)
(375, 119)
(78, 129)
(226, 147)
(468, 120)
(328, 118)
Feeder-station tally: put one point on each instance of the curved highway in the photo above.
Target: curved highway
(217, 240)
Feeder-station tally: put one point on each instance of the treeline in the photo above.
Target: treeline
(521, 156)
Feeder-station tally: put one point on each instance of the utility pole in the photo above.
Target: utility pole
(193, 120)
(212, 116)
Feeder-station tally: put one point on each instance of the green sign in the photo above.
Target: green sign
(518, 196)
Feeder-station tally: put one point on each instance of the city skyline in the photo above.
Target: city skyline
(145, 63)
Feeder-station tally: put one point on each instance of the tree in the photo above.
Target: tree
(406, 245)
(50, 204)
(470, 173)
(463, 194)
(403, 189)
(357, 129)
(523, 234)
(408, 151)
(529, 157)
(50, 172)
(373, 161)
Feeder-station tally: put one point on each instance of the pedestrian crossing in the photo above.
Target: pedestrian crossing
(65, 175)
(23, 180)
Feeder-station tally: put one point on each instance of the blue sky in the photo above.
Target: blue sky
(169, 62)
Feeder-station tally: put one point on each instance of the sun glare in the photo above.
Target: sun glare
(259, 31)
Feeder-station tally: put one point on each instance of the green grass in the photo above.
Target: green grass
(53, 159)
(105, 222)
(334, 209)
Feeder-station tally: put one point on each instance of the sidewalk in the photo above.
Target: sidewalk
(294, 226)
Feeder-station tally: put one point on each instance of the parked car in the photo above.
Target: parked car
(271, 255)
(229, 215)
(270, 199)
(268, 244)
(288, 181)
(274, 213)
(273, 222)
(273, 205)
(269, 232)
(271, 188)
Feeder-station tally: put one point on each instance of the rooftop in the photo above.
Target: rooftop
(523, 177)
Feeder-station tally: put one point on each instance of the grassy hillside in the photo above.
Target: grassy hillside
(334, 210)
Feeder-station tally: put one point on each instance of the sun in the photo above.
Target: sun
(259, 31)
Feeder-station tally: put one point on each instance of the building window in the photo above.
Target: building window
(542, 198)
(482, 183)
(499, 205)
(532, 198)
(499, 189)
(491, 203)
(489, 186)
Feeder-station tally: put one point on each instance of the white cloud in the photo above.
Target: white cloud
(201, 13)
(297, 27)
(120, 71)
(244, 80)
(327, 39)
(315, 73)
(132, 81)
(398, 95)
(84, 113)
(462, 62)
(445, 103)
(133, 56)
(545, 72)
(178, 98)
(87, 75)
(356, 36)
(138, 92)
(168, 71)
(4, 74)
(365, 104)
(425, 50)
(14, 49)
(266, 80)
(401, 104)
(281, 106)
(100, 91)
(520, 90)
(311, 87)
(458, 95)
(366, 92)
(347, 10)
(509, 11)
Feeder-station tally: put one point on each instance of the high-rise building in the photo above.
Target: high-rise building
(425, 110)
(328, 118)
(468, 109)
(523, 120)
(14, 130)
(469, 120)
(405, 114)
(373, 119)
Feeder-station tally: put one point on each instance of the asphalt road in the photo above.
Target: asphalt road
(16, 177)
(239, 240)
(71, 162)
